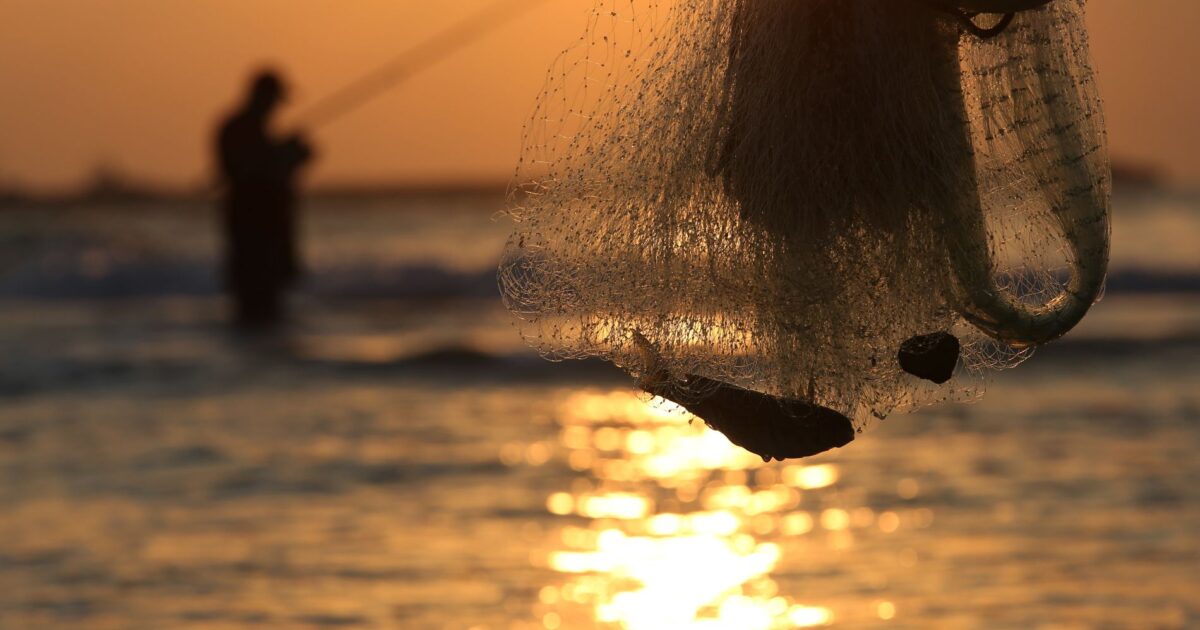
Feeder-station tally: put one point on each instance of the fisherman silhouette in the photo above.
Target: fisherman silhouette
(259, 171)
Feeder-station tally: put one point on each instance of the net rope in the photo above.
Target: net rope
(778, 193)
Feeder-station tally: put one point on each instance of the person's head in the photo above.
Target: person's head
(267, 91)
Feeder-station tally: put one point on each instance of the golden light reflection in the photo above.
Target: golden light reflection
(676, 523)
(807, 617)
(810, 477)
(908, 488)
(835, 520)
(797, 524)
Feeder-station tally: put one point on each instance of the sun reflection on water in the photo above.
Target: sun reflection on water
(668, 528)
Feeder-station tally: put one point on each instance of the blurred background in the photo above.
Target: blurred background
(395, 458)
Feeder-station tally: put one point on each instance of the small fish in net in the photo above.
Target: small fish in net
(794, 217)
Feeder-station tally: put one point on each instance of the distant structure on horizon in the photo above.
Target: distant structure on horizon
(1137, 175)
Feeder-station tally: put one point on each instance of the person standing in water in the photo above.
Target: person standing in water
(259, 172)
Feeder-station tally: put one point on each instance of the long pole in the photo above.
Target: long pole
(427, 53)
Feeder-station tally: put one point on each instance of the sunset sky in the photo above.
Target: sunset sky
(138, 84)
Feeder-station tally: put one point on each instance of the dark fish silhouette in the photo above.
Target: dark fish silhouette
(768, 426)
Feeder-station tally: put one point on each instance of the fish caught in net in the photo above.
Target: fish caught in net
(795, 216)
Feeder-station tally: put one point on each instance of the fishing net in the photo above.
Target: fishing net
(779, 194)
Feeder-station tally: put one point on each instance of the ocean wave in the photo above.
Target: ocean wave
(68, 279)
(155, 278)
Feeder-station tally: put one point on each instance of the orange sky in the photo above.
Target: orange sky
(138, 83)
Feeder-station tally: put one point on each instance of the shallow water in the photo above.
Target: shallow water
(397, 461)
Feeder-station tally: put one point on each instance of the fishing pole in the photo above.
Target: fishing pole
(427, 53)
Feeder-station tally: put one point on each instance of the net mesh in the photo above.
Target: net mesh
(778, 193)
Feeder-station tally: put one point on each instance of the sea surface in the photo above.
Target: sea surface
(396, 458)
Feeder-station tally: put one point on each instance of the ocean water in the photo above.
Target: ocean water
(397, 459)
